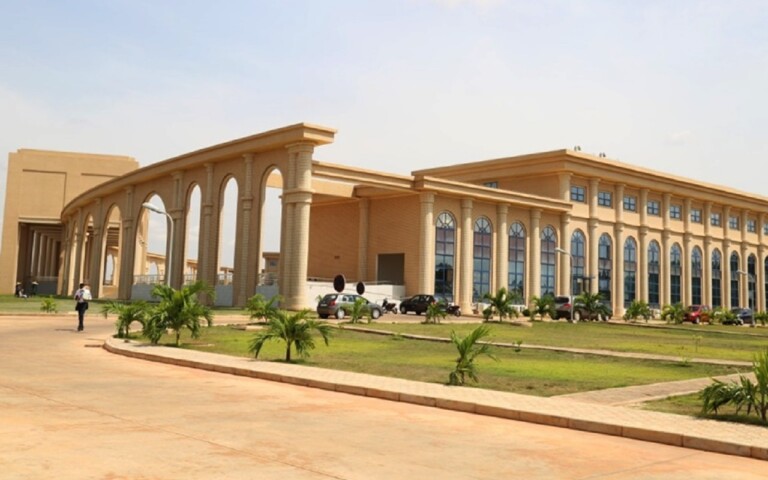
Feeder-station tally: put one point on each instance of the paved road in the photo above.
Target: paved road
(70, 410)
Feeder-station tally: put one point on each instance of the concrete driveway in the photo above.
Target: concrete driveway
(71, 410)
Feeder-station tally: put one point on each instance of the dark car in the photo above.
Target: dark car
(340, 305)
(417, 304)
(563, 310)
(743, 316)
(697, 314)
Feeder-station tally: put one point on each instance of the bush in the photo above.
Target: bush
(48, 305)
(638, 309)
(744, 393)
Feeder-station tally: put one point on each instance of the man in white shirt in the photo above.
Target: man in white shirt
(82, 296)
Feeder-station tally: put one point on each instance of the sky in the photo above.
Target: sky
(676, 86)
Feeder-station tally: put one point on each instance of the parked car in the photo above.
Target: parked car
(743, 316)
(417, 304)
(560, 302)
(697, 314)
(563, 310)
(339, 305)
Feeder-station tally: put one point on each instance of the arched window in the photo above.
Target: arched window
(548, 245)
(445, 253)
(653, 274)
(605, 267)
(516, 280)
(734, 277)
(630, 271)
(751, 280)
(675, 271)
(577, 267)
(481, 281)
(696, 276)
(717, 275)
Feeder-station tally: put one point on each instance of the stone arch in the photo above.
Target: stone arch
(445, 254)
(111, 252)
(151, 241)
(270, 242)
(193, 213)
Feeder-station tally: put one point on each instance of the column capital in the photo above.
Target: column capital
(248, 157)
(301, 147)
(502, 208)
(535, 214)
(427, 197)
(466, 203)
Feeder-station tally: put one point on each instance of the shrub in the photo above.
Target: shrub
(638, 309)
(48, 305)
(673, 313)
(742, 393)
(469, 349)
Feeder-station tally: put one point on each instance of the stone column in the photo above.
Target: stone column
(427, 238)
(726, 274)
(364, 208)
(618, 281)
(565, 260)
(594, 238)
(466, 271)
(80, 246)
(178, 214)
(207, 252)
(246, 269)
(300, 197)
(664, 285)
(642, 265)
(502, 249)
(706, 279)
(127, 246)
(534, 260)
(744, 279)
(760, 267)
(686, 274)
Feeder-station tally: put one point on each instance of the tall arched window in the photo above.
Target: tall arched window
(675, 271)
(717, 275)
(734, 278)
(481, 281)
(445, 253)
(577, 271)
(654, 268)
(605, 267)
(516, 280)
(751, 280)
(696, 276)
(548, 245)
(630, 271)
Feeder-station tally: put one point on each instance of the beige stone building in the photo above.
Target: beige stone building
(548, 223)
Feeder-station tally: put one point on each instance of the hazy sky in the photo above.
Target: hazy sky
(678, 86)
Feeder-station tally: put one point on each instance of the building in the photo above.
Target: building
(548, 223)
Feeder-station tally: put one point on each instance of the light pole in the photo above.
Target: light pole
(153, 208)
(570, 286)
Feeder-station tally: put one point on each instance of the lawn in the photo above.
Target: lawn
(534, 372)
(683, 341)
(691, 405)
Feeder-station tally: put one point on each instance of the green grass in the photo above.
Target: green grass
(12, 304)
(533, 372)
(716, 342)
(690, 405)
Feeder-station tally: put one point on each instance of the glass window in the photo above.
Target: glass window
(733, 222)
(516, 280)
(630, 203)
(717, 292)
(604, 199)
(751, 280)
(765, 228)
(579, 263)
(481, 281)
(653, 274)
(491, 184)
(578, 194)
(445, 248)
(605, 266)
(675, 212)
(654, 207)
(630, 271)
(675, 270)
(696, 276)
(548, 245)
(751, 226)
(714, 219)
(696, 215)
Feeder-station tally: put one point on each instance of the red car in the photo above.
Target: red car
(698, 313)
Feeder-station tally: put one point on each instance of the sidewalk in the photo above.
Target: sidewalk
(708, 435)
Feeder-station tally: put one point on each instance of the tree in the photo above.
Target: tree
(638, 309)
(359, 310)
(127, 313)
(179, 309)
(501, 303)
(294, 329)
(673, 313)
(262, 309)
(592, 306)
(544, 305)
(741, 393)
(435, 312)
(469, 349)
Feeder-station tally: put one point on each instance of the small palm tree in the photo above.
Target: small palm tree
(127, 313)
(638, 308)
(294, 329)
(48, 305)
(435, 312)
(722, 315)
(742, 393)
(591, 304)
(501, 303)
(544, 305)
(761, 317)
(359, 310)
(262, 309)
(469, 349)
(179, 309)
(673, 313)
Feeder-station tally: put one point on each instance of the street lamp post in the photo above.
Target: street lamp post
(153, 208)
(570, 287)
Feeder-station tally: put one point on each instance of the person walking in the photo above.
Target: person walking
(82, 296)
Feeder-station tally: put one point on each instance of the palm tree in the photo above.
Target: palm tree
(501, 303)
(127, 313)
(591, 304)
(179, 309)
(741, 393)
(544, 305)
(435, 312)
(638, 308)
(469, 349)
(262, 309)
(358, 310)
(673, 313)
(294, 329)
